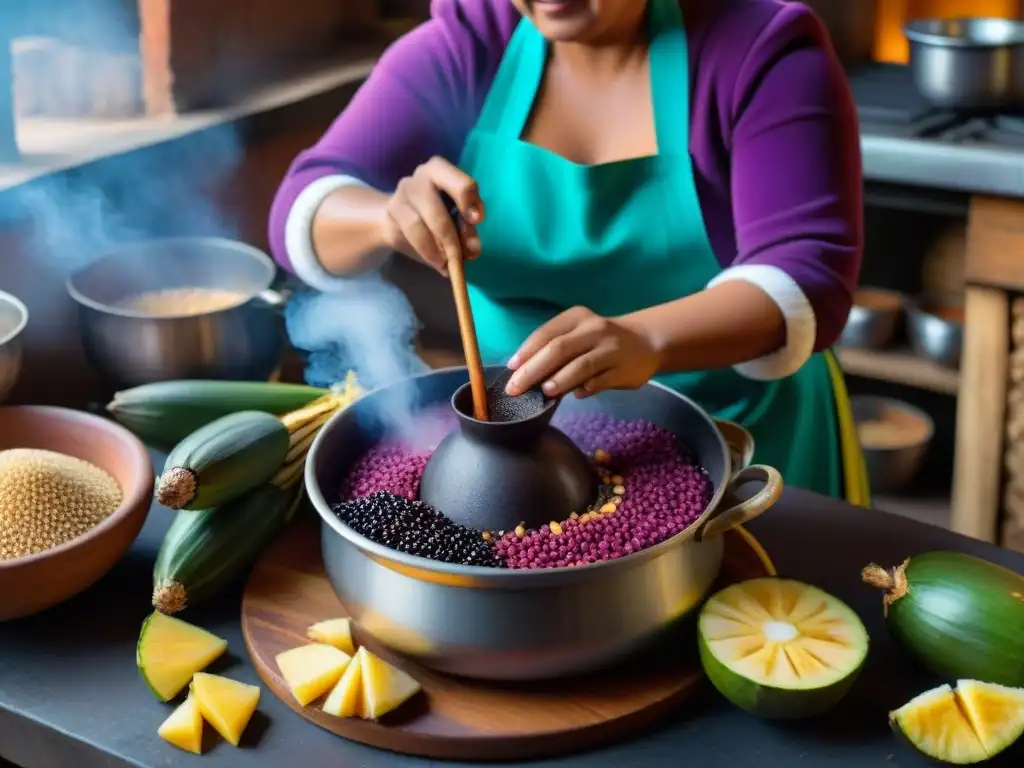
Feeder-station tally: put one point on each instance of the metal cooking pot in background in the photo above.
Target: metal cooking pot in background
(13, 319)
(967, 64)
(494, 623)
(129, 348)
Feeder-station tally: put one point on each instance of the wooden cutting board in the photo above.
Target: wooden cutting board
(465, 719)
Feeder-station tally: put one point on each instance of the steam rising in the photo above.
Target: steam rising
(367, 325)
(158, 191)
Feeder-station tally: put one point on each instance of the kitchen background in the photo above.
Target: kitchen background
(126, 119)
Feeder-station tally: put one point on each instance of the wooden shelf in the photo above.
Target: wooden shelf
(901, 367)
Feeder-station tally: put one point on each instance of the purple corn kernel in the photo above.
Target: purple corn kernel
(666, 492)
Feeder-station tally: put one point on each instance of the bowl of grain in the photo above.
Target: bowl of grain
(894, 436)
(75, 490)
(180, 308)
(13, 319)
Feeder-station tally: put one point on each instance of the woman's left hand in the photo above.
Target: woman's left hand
(582, 352)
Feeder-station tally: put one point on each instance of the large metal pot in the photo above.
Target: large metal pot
(13, 319)
(968, 64)
(128, 348)
(518, 625)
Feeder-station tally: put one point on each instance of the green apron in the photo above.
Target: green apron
(619, 237)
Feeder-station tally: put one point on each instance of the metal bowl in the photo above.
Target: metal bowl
(13, 319)
(129, 348)
(872, 320)
(894, 457)
(936, 329)
(518, 625)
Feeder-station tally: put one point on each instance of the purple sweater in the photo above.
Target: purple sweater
(774, 135)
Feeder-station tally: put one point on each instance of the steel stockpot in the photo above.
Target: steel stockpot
(968, 64)
(520, 625)
(13, 319)
(128, 348)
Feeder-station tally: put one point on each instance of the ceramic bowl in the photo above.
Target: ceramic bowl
(31, 584)
(895, 437)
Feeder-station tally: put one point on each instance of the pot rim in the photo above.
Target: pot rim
(21, 309)
(482, 576)
(237, 245)
(928, 32)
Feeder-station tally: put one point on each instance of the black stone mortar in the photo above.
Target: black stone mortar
(515, 469)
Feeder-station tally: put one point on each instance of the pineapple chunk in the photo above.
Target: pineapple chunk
(385, 687)
(312, 670)
(933, 723)
(995, 712)
(336, 632)
(170, 651)
(968, 725)
(346, 700)
(227, 705)
(184, 727)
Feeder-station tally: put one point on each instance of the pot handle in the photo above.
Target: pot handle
(275, 300)
(727, 517)
(739, 441)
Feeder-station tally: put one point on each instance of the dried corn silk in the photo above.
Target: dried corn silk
(48, 498)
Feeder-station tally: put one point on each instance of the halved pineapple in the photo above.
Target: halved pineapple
(336, 632)
(385, 688)
(312, 670)
(346, 699)
(226, 704)
(780, 648)
(968, 725)
(170, 651)
(184, 727)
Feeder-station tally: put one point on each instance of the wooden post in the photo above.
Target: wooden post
(994, 271)
(981, 414)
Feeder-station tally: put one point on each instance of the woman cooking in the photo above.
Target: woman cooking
(665, 189)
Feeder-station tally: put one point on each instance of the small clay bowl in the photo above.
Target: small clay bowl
(31, 584)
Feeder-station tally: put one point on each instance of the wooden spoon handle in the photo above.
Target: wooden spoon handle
(467, 330)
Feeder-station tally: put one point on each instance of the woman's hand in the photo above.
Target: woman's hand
(582, 352)
(418, 223)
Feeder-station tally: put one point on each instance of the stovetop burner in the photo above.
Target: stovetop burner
(888, 103)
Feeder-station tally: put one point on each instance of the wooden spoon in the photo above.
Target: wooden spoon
(467, 329)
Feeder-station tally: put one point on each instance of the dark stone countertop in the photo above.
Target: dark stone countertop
(70, 694)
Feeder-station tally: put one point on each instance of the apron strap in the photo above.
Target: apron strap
(670, 77)
(510, 99)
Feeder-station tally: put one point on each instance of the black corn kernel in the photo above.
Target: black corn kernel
(416, 528)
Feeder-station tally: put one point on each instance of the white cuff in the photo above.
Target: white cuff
(298, 232)
(801, 325)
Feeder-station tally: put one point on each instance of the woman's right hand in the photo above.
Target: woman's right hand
(418, 224)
